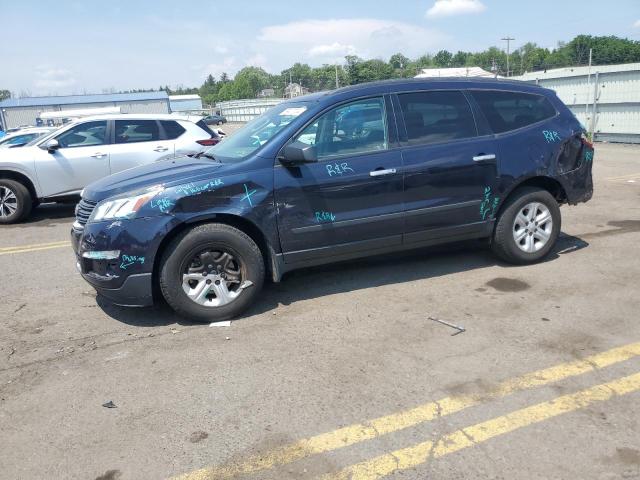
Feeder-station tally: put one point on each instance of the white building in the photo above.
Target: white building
(455, 72)
(606, 99)
(184, 103)
(15, 112)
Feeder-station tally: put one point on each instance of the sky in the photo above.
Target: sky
(74, 47)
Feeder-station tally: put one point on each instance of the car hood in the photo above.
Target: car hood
(167, 173)
(23, 154)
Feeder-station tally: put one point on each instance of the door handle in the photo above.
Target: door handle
(99, 155)
(484, 158)
(379, 173)
(160, 149)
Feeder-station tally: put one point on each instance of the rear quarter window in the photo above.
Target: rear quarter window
(172, 129)
(506, 111)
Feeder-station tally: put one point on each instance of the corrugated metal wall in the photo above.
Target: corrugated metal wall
(617, 105)
(18, 116)
(185, 105)
(246, 110)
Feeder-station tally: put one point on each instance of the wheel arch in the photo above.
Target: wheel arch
(22, 178)
(241, 223)
(551, 185)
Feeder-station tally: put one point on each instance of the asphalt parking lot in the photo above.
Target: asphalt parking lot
(338, 372)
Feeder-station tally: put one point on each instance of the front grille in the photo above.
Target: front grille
(84, 210)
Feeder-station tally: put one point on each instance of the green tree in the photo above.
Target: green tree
(4, 94)
(443, 59)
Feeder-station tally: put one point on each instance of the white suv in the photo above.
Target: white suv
(58, 166)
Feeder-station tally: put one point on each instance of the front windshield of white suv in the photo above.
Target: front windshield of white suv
(257, 132)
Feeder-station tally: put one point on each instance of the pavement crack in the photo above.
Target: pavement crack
(397, 460)
(20, 307)
(11, 352)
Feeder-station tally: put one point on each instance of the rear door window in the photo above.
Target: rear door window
(133, 131)
(434, 117)
(507, 111)
(172, 129)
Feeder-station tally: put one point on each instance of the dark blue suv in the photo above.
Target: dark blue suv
(359, 171)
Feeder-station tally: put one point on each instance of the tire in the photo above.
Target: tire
(185, 251)
(220, 122)
(15, 201)
(530, 247)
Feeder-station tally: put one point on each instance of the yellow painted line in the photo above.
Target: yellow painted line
(360, 432)
(631, 176)
(421, 453)
(33, 248)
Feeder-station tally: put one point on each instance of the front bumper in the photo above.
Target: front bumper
(126, 280)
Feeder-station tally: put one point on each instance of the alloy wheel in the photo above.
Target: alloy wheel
(532, 227)
(8, 201)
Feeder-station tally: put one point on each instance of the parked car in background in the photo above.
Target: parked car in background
(215, 120)
(23, 137)
(59, 165)
(363, 170)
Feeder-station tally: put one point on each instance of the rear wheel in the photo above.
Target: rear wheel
(220, 122)
(212, 272)
(528, 226)
(15, 201)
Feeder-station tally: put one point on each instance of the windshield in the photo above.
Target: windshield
(257, 132)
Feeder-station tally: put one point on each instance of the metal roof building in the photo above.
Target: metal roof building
(606, 98)
(15, 112)
(185, 103)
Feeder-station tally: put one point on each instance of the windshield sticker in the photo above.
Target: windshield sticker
(292, 111)
(338, 168)
(193, 189)
(324, 217)
(551, 136)
(248, 194)
(488, 205)
(128, 260)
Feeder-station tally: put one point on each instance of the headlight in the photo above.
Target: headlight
(121, 207)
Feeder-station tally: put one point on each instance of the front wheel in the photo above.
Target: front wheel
(528, 226)
(212, 272)
(15, 201)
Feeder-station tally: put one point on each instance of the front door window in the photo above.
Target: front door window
(352, 129)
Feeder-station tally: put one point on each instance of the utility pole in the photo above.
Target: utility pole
(586, 104)
(508, 40)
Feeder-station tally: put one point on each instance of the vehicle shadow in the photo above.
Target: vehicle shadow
(47, 215)
(348, 276)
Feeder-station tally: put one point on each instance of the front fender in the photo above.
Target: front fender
(23, 171)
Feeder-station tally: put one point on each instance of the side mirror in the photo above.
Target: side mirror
(51, 145)
(298, 152)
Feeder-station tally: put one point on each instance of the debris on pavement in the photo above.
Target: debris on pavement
(109, 404)
(224, 323)
(459, 329)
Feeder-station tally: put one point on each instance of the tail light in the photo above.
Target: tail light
(585, 141)
(208, 142)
